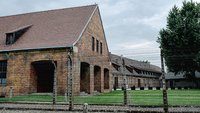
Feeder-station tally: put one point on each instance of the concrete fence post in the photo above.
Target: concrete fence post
(85, 108)
(10, 92)
(66, 97)
(164, 90)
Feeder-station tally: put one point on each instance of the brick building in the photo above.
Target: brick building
(139, 74)
(35, 45)
(181, 81)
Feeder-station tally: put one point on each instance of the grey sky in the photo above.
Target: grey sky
(131, 26)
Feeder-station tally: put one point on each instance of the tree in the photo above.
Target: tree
(180, 40)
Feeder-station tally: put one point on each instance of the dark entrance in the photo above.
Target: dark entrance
(106, 79)
(171, 83)
(44, 72)
(116, 82)
(139, 84)
(97, 78)
(85, 77)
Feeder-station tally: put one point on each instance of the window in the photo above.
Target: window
(116, 67)
(101, 50)
(97, 46)
(13, 36)
(3, 71)
(9, 38)
(93, 45)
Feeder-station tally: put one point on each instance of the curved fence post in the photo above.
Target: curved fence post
(165, 100)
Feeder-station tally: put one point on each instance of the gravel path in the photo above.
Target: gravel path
(42, 111)
(91, 108)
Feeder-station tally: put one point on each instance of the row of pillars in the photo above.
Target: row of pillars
(96, 81)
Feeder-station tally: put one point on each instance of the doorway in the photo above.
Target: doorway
(139, 83)
(44, 74)
(85, 77)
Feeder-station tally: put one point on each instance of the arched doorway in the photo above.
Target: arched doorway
(42, 75)
(85, 77)
(97, 78)
(106, 78)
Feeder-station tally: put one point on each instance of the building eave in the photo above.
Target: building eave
(33, 49)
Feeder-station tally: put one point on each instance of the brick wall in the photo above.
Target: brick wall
(94, 58)
(132, 81)
(22, 76)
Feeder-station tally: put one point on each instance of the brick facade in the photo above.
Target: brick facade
(138, 74)
(96, 60)
(20, 72)
(23, 77)
(30, 67)
(136, 82)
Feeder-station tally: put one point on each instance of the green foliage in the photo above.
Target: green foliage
(180, 40)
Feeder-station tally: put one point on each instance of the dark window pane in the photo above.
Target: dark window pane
(3, 81)
(93, 45)
(97, 46)
(101, 48)
(2, 75)
(3, 69)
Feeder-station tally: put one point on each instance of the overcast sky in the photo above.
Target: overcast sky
(131, 26)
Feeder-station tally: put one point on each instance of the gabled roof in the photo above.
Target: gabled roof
(135, 64)
(49, 29)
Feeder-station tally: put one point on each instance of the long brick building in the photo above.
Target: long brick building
(36, 46)
(138, 74)
(181, 81)
(36, 49)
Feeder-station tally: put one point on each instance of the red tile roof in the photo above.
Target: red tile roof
(49, 29)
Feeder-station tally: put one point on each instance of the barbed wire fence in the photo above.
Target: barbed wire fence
(127, 96)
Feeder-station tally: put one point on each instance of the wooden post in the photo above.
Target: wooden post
(165, 100)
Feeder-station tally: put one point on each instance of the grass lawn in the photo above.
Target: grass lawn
(142, 97)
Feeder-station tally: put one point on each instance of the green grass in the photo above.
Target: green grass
(115, 97)
(144, 97)
(32, 98)
(184, 97)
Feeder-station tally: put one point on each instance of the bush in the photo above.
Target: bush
(172, 88)
(179, 88)
(190, 87)
(141, 88)
(133, 88)
(150, 88)
(157, 88)
(115, 88)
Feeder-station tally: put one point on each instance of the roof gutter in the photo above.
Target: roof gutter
(32, 49)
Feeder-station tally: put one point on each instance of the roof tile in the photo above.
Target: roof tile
(53, 28)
